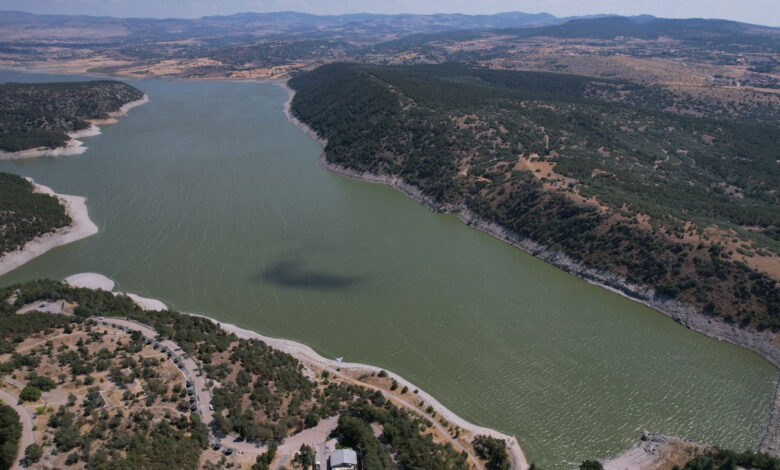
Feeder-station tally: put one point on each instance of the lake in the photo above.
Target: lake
(210, 200)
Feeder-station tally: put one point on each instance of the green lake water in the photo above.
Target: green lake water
(208, 199)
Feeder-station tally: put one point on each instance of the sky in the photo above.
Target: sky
(766, 12)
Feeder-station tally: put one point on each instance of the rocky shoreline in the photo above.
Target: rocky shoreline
(766, 344)
(763, 343)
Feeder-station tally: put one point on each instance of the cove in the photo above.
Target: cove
(209, 199)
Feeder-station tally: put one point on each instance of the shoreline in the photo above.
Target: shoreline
(81, 226)
(397, 182)
(98, 281)
(74, 146)
(765, 344)
(309, 357)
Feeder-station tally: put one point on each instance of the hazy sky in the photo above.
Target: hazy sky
(765, 12)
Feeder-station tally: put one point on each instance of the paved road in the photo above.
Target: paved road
(281, 461)
(314, 437)
(27, 424)
(188, 367)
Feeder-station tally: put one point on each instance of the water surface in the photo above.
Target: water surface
(208, 199)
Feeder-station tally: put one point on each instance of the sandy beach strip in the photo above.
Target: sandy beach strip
(81, 227)
(122, 111)
(90, 281)
(75, 146)
(99, 281)
(71, 147)
(146, 303)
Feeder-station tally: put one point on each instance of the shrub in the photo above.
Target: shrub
(32, 454)
(30, 393)
(591, 465)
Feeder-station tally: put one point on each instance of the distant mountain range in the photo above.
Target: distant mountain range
(650, 27)
(370, 28)
(16, 26)
(226, 44)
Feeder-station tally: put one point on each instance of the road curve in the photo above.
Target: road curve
(192, 373)
(188, 367)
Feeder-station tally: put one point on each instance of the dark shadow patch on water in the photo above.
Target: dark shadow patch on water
(292, 274)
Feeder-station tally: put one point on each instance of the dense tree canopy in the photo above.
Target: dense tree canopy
(25, 214)
(10, 433)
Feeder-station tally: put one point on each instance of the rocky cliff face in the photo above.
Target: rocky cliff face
(395, 181)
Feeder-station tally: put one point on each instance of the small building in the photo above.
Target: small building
(343, 459)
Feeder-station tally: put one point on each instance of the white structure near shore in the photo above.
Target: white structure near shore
(343, 459)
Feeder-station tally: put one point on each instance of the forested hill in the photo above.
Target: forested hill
(41, 114)
(720, 32)
(686, 205)
(24, 214)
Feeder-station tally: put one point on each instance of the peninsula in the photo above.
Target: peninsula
(46, 118)
(36, 219)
